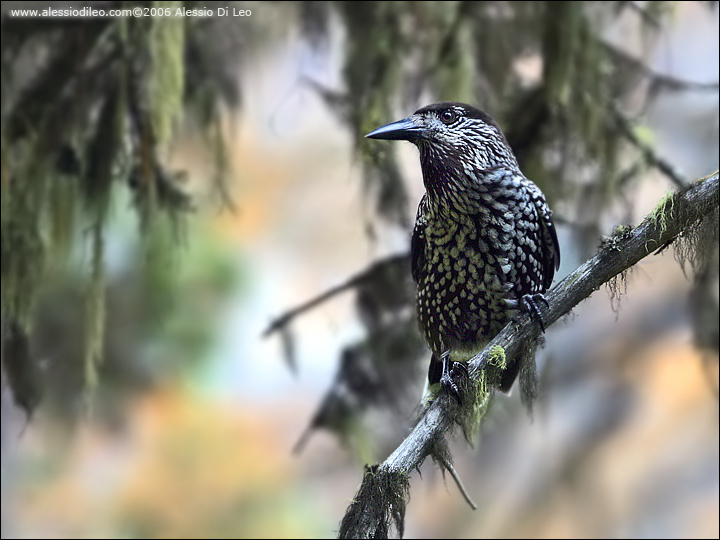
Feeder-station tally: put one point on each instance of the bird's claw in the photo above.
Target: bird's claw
(529, 303)
(452, 371)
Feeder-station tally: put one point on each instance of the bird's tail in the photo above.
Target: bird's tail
(432, 383)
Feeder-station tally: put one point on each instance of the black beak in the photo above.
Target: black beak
(402, 130)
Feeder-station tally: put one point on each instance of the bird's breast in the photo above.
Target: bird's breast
(464, 282)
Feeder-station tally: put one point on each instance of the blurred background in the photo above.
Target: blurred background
(207, 318)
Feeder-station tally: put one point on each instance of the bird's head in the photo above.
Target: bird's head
(452, 133)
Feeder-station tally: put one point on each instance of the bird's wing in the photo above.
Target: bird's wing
(551, 251)
(417, 244)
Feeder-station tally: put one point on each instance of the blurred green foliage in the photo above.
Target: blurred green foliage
(163, 310)
(90, 107)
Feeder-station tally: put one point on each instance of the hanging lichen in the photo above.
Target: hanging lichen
(166, 75)
(62, 218)
(23, 248)
(103, 149)
(378, 508)
(94, 310)
(617, 288)
(479, 398)
(21, 368)
(89, 109)
(698, 244)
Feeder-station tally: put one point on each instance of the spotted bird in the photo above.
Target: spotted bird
(484, 244)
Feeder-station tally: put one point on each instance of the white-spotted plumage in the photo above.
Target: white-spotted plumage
(484, 236)
(483, 221)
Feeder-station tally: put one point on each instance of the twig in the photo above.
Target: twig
(645, 15)
(649, 153)
(666, 222)
(660, 80)
(286, 318)
(449, 466)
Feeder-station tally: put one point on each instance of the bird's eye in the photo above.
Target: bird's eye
(447, 116)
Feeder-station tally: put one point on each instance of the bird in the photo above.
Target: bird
(484, 246)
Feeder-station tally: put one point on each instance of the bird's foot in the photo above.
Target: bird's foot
(453, 378)
(529, 304)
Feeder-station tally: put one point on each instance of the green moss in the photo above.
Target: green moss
(479, 403)
(663, 210)
(497, 357)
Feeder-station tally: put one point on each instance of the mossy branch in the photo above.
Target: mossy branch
(659, 229)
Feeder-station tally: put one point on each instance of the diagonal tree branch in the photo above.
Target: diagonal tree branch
(281, 322)
(674, 215)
